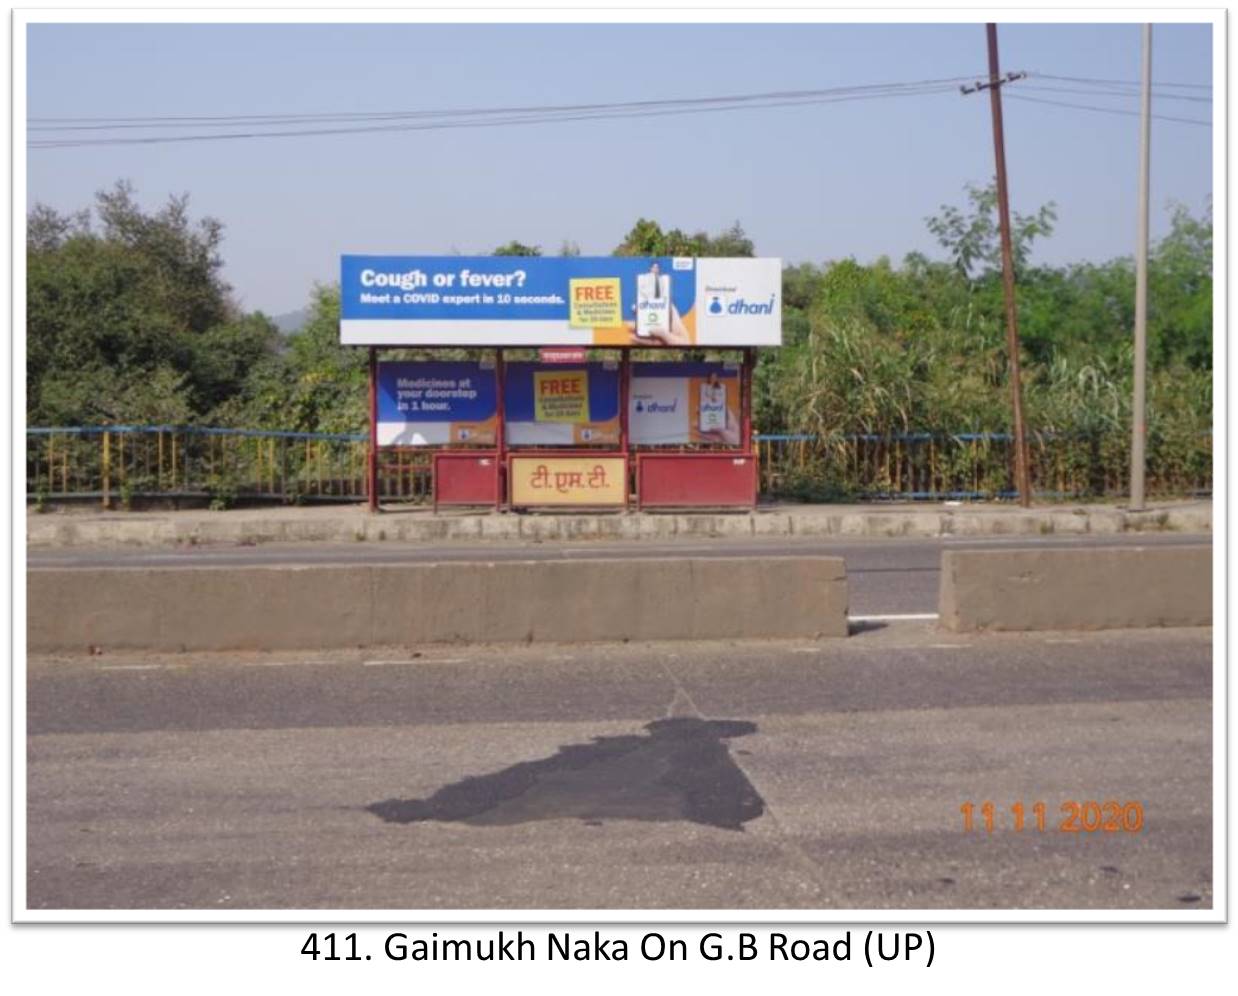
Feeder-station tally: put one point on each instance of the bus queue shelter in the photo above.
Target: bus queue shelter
(575, 393)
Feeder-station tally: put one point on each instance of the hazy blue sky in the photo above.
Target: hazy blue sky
(808, 183)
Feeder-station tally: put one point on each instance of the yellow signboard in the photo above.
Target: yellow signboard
(596, 302)
(555, 480)
(561, 396)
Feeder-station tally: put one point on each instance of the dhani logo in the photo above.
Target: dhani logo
(741, 307)
(656, 407)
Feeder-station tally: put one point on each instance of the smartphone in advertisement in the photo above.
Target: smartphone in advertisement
(653, 303)
(712, 409)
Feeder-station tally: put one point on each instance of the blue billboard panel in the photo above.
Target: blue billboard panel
(545, 301)
(431, 403)
(556, 404)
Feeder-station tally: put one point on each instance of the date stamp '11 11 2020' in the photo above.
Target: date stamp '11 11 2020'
(1089, 816)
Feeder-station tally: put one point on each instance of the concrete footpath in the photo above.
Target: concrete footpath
(345, 524)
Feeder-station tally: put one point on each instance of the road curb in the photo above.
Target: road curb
(327, 606)
(1057, 589)
(350, 525)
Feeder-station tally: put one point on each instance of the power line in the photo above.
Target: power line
(1135, 83)
(534, 109)
(257, 126)
(1109, 110)
(1095, 92)
(439, 121)
(56, 124)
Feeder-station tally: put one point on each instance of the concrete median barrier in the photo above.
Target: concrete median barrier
(289, 607)
(1097, 588)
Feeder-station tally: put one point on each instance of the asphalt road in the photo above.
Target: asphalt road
(886, 576)
(682, 776)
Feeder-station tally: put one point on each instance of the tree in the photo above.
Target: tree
(1180, 290)
(973, 237)
(514, 248)
(133, 311)
(646, 238)
(317, 385)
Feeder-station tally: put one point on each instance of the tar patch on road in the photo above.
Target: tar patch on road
(680, 770)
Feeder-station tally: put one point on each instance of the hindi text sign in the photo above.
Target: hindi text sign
(568, 480)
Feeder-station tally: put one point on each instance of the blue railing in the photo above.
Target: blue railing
(119, 463)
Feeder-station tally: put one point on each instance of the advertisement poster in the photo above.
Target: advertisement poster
(435, 403)
(677, 302)
(679, 403)
(552, 404)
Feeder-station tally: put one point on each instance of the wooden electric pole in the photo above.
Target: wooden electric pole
(1022, 477)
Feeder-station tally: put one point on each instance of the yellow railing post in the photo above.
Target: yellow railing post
(107, 461)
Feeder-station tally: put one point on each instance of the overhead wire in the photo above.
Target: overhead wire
(1092, 79)
(58, 132)
(1095, 92)
(443, 120)
(1107, 110)
(227, 119)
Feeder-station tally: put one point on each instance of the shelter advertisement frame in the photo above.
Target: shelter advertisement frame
(684, 433)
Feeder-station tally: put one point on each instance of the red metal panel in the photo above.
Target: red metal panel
(466, 478)
(702, 480)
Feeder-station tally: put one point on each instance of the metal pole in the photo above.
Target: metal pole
(500, 430)
(1139, 428)
(625, 394)
(371, 469)
(746, 442)
(1022, 479)
(107, 468)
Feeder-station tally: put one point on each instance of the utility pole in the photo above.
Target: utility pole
(1022, 476)
(1139, 429)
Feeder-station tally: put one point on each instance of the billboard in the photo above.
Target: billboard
(435, 403)
(678, 403)
(677, 302)
(550, 404)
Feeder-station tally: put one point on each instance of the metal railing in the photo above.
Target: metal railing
(974, 465)
(119, 464)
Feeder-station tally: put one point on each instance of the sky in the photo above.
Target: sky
(808, 184)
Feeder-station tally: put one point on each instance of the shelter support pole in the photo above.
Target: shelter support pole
(371, 469)
(500, 431)
(745, 399)
(747, 443)
(625, 392)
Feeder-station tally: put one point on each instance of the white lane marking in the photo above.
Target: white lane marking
(140, 667)
(420, 660)
(1033, 538)
(896, 618)
(806, 650)
(283, 663)
(1063, 641)
(948, 646)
